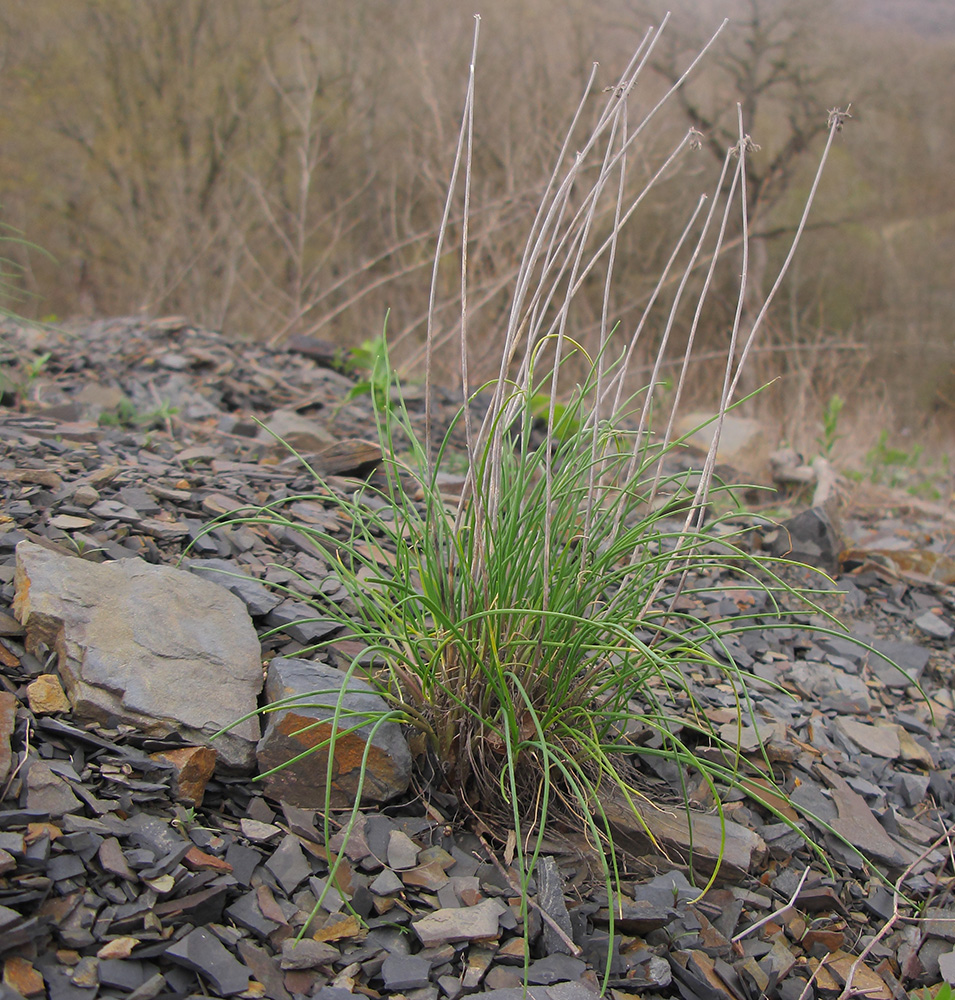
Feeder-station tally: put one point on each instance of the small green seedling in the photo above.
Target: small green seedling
(830, 425)
(125, 414)
(370, 356)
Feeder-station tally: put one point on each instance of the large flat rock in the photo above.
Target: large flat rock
(699, 839)
(149, 646)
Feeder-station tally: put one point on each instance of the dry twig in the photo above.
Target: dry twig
(545, 916)
(848, 991)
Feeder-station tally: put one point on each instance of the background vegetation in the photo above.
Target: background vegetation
(271, 167)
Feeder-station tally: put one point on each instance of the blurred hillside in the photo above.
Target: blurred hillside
(931, 18)
(270, 167)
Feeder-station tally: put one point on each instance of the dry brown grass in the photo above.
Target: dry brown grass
(267, 170)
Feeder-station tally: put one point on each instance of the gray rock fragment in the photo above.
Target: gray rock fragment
(468, 923)
(556, 968)
(48, 792)
(150, 646)
(247, 913)
(300, 621)
(307, 954)
(151, 988)
(387, 884)
(883, 741)
(288, 864)
(910, 657)
(933, 626)
(550, 898)
(405, 972)
(912, 787)
(837, 690)
(402, 851)
(287, 428)
(265, 968)
(559, 991)
(946, 966)
(811, 538)
(306, 723)
(258, 599)
(203, 953)
(939, 922)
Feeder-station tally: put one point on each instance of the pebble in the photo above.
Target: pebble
(934, 627)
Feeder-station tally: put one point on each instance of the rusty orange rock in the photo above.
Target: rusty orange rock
(371, 759)
(46, 695)
(194, 767)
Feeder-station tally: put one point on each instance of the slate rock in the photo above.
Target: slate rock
(65, 866)
(156, 834)
(192, 769)
(551, 899)
(813, 802)
(288, 864)
(466, 923)
(8, 718)
(402, 851)
(286, 429)
(125, 974)
(882, 741)
(308, 954)
(387, 884)
(48, 792)
(202, 952)
(351, 456)
(559, 991)
(405, 972)
(45, 695)
(879, 902)
(300, 622)
(502, 977)
(258, 830)
(265, 968)
(912, 787)
(243, 861)
(149, 646)
(20, 974)
(229, 574)
(810, 537)
(933, 626)
(857, 824)
(431, 876)
(939, 922)
(946, 966)
(291, 730)
(907, 655)
(834, 688)
(556, 968)
(728, 847)
(742, 445)
(247, 913)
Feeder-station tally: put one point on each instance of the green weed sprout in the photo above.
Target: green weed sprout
(370, 357)
(830, 425)
(29, 367)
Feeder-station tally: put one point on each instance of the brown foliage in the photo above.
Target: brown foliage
(279, 166)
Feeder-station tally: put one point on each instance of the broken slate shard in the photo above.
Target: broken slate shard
(149, 646)
(811, 538)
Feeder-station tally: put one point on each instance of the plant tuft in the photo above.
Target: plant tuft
(543, 628)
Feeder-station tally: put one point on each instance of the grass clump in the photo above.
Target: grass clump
(537, 628)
